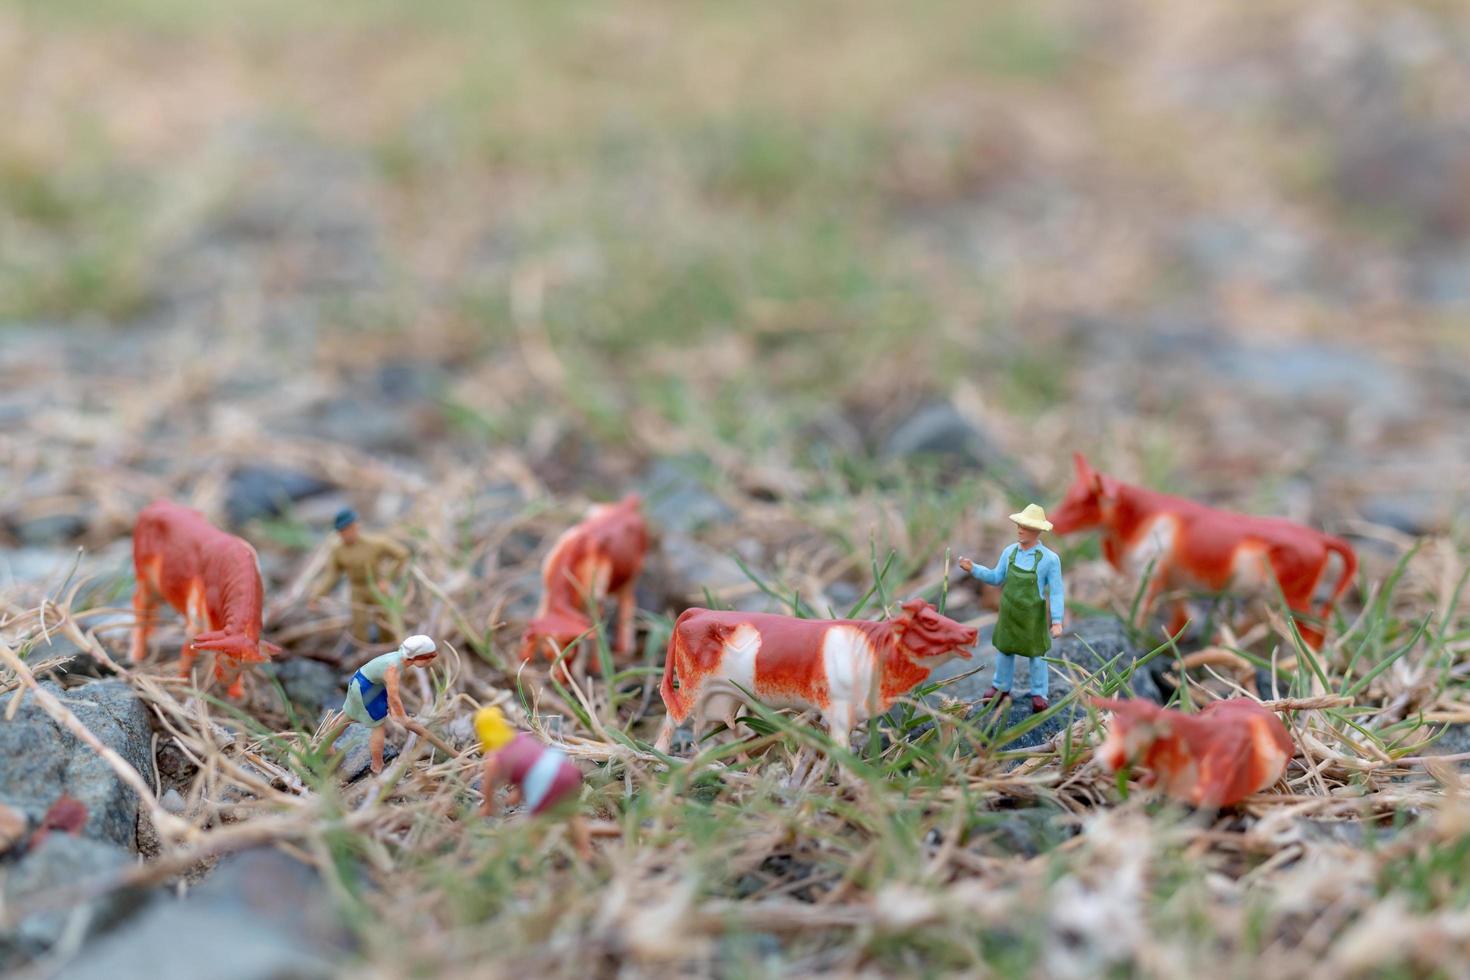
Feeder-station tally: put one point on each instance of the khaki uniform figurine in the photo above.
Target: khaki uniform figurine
(362, 559)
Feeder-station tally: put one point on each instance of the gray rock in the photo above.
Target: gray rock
(1019, 833)
(357, 756)
(677, 499)
(259, 916)
(62, 862)
(267, 491)
(310, 685)
(1412, 511)
(1087, 647)
(938, 429)
(40, 760)
(686, 569)
(1410, 171)
(75, 662)
(51, 528)
(1317, 374)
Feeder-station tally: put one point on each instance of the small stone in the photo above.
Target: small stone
(173, 802)
(39, 759)
(676, 498)
(309, 685)
(52, 528)
(357, 758)
(267, 491)
(259, 916)
(60, 863)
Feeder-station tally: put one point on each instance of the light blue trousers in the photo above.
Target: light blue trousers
(1005, 672)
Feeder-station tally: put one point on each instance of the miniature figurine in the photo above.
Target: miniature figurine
(850, 670)
(1030, 576)
(541, 777)
(599, 557)
(211, 577)
(1191, 546)
(373, 697)
(360, 557)
(1215, 758)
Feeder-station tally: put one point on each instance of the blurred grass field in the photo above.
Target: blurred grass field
(473, 265)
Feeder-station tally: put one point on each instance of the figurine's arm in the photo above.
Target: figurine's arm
(395, 554)
(331, 575)
(395, 703)
(1051, 577)
(996, 575)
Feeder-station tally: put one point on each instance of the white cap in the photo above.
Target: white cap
(418, 645)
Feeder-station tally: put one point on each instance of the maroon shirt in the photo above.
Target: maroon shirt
(556, 776)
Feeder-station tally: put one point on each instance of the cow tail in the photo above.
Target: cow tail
(1349, 573)
(676, 701)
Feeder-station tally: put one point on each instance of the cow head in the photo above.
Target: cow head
(240, 646)
(929, 636)
(1088, 500)
(562, 629)
(1137, 724)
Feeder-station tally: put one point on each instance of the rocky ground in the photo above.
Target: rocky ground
(824, 286)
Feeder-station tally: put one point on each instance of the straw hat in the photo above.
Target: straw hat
(1033, 517)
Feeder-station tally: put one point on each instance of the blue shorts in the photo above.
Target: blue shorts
(377, 708)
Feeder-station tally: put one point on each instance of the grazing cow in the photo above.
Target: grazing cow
(1191, 546)
(211, 577)
(1215, 758)
(848, 669)
(601, 556)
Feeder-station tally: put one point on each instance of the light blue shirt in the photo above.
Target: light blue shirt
(1048, 574)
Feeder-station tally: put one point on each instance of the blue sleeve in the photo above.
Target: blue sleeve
(996, 575)
(1052, 578)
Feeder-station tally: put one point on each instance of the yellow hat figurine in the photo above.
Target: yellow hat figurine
(494, 731)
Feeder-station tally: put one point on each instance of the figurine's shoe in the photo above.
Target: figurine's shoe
(1038, 704)
(992, 695)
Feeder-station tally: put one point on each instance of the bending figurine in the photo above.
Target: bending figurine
(373, 696)
(1030, 577)
(541, 777)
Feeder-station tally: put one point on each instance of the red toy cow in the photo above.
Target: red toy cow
(599, 557)
(1192, 546)
(211, 577)
(1215, 758)
(848, 669)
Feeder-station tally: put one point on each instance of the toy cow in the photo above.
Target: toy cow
(211, 577)
(599, 557)
(1215, 758)
(1191, 546)
(849, 670)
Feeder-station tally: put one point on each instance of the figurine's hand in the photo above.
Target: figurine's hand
(966, 565)
(1056, 629)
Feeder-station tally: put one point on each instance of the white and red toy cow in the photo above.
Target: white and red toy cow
(848, 669)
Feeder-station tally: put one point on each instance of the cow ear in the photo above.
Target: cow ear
(1104, 486)
(1079, 463)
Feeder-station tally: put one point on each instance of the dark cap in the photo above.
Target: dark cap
(345, 518)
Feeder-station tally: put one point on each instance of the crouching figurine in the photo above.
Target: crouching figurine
(541, 777)
(1030, 577)
(373, 696)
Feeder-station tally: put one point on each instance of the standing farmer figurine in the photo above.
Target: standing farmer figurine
(373, 695)
(360, 557)
(1030, 577)
(541, 777)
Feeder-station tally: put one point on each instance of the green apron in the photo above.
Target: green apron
(1022, 629)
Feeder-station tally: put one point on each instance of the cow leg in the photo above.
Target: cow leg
(145, 604)
(1151, 593)
(187, 656)
(840, 717)
(1178, 616)
(626, 609)
(665, 739)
